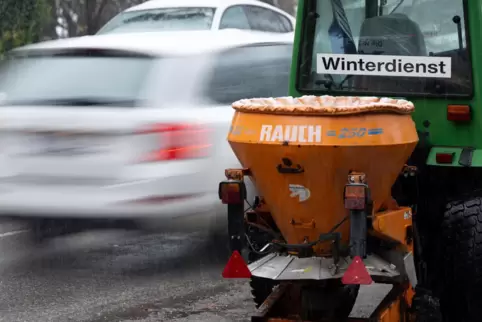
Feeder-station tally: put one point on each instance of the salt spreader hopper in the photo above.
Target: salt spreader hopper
(324, 221)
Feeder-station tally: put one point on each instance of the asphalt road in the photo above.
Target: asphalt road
(114, 276)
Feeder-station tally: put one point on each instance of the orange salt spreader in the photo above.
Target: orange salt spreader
(324, 221)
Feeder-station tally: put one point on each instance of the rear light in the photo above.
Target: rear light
(236, 267)
(445, 158)
(459, 113)
(178, 142)
(355, 196)
(357, 273)
(232, 192)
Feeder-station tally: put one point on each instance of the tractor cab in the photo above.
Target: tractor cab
(424, 51)
(404, 48)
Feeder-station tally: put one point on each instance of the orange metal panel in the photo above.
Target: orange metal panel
(326, 149)
(393, 223)
(391, 313)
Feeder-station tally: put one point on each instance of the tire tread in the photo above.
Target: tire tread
(462, 258)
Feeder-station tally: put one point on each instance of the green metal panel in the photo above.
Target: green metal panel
(296, 46)
(433, 111)
(431, 160)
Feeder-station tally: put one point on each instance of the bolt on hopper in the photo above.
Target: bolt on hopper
(324, 219)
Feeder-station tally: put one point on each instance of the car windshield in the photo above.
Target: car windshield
(79, 77)
(198, 18)
(390, 47)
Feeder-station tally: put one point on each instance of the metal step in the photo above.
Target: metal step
(288, 267)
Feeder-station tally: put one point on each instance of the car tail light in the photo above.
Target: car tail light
(178, 142)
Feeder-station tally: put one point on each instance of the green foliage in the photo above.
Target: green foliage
(21, 22)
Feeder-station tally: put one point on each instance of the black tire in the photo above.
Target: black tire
(425, 306)
(333, 302)
(461, 296)
(261, 288)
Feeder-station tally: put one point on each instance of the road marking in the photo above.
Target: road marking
(13, 233)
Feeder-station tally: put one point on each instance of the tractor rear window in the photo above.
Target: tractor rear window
(385, 47)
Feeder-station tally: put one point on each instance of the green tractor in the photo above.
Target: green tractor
(425, 51)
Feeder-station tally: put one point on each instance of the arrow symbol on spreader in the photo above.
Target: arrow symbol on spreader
(299, 191)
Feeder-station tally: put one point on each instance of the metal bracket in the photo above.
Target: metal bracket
(356, 178)
(287, 167)
(285, 170)
(236, 227)
(236, 174)
(466, 156)
(409, 171)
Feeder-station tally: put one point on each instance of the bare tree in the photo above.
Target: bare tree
(83, 17)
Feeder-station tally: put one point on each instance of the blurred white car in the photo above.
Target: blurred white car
(128, 126)
(163, 15)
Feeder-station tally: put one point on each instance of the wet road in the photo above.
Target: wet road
(114, 276)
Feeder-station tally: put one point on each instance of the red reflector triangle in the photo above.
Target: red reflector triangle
(236, 267)
(357, 273)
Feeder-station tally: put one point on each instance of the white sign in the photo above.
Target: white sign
(380, 65)
(291, 133)
(299, 191)
(407, 215)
